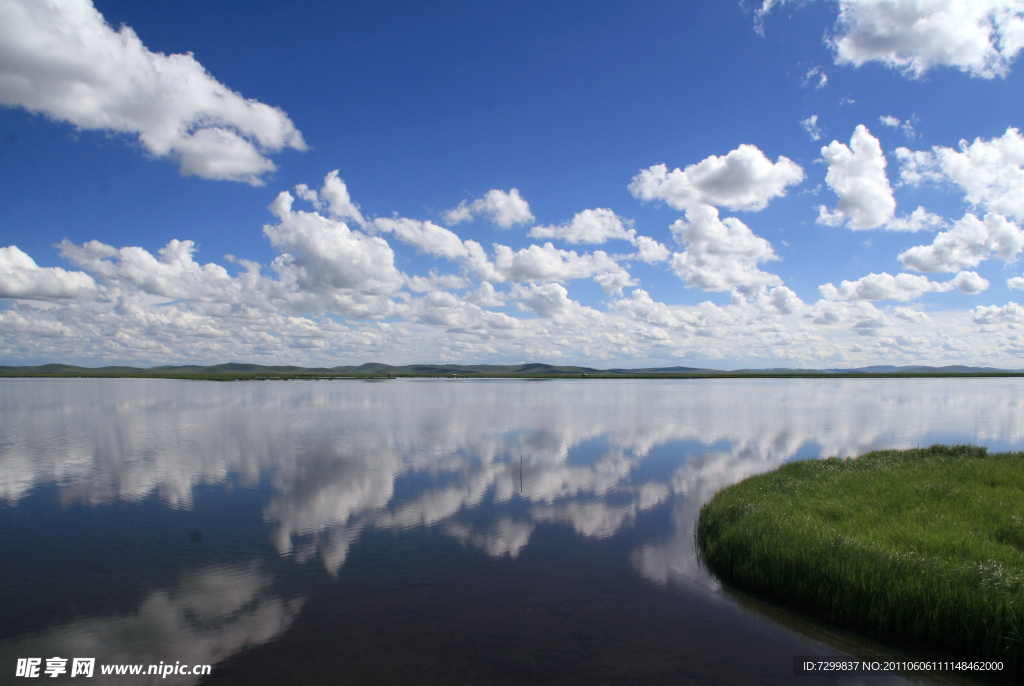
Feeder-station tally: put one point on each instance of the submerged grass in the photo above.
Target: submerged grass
(922, 545)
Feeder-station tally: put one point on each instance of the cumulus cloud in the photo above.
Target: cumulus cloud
(324, 266)
(988, 172)
(485, 296)
(427, 236)
(175, 274)
(744, 179)
(1011, 313)
(763, 11)
(546, 264)
(979, 37)
(325, 299)
(810, 125)
(970, 283)
(780, 299)
(1016, 282)
(721, 254)
(816, 73)
(503, 209)
(917, 167)
(333, 197)
(910, 315)
(907, 127)
(61, 59)
(551, 301)
(902, 287)
(589, 226)
(324, 256)
(434, 281)
(918, 220)
(649, 250)
(600, 225)
(21, 277)
(967, 244)
(443, 309)
(857, 175)
(641, 307)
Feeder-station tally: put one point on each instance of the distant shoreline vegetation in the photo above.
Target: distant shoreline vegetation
(235, 371)
(923, 545)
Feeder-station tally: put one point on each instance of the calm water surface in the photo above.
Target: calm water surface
(422, 531)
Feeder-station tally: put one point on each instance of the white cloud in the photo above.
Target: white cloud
(780, 299)
(761, 12)
(1016, 282)
(980, 37)
(61, 59)
(649, 250)
(589, 226)
(332, 277)
(641, 307)
(174, 275)
(503, 209)
(907, 127)
(810, 125)
(917, 167)
(744, 179)
(427, 236)
(600, 225)
(21, 277)
(919, 220)
(434, 282)
(546, 264)
(901, 287)
(721, 254)
(324, 266)
(1010, 313)
(857, 175)
(551, 301)
(910, 315)
(970, 283)
(323, 256)
(816, 73)
(989, 172)
(333, 196)
(486, 296)
(967, 244)
(447, 310)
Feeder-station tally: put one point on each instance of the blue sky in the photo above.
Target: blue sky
(499, 195)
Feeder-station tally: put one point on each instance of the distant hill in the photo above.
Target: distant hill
(238, 370)
(952, 369)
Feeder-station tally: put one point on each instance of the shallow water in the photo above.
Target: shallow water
(422, 531)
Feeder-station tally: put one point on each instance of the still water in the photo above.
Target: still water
(422, 531)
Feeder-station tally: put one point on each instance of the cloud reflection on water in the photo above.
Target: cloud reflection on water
(341, 455)
(212, 614)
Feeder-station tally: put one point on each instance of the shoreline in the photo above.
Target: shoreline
(922, 546)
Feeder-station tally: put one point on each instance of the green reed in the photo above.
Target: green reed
(923, 545)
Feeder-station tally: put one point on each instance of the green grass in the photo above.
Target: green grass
(923, 545)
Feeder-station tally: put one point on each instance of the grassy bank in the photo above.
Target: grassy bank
(923, 545)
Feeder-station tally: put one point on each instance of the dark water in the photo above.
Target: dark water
(422, 531)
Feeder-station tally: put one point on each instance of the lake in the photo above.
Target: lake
(428, 531)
